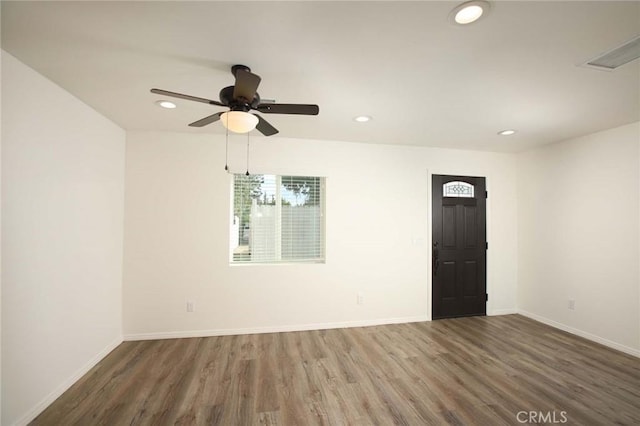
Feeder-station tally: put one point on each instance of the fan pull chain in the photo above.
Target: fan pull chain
(247, 154)
(226, 147)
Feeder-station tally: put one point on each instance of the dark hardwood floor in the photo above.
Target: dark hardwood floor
(467, 371)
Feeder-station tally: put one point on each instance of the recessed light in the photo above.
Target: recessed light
(362, 118)
(166, 104)
(469, 12)
(507, 132)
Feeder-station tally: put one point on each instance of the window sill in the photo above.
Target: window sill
(282, 263)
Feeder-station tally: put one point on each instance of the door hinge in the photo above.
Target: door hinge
(486, 297)
(486, 194)
(486, 245)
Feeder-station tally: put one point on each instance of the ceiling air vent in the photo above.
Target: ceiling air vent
(614, 58)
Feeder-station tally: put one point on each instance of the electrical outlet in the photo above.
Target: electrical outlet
(572, 304)
(360, 299)
(191, 307)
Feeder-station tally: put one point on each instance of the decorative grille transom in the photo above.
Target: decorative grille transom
(458, 189)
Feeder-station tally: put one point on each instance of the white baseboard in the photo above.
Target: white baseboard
(586, 335)
(64, 386)
(503, 312)
(276, 329)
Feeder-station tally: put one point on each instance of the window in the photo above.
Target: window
(457, 189)
(277, 219)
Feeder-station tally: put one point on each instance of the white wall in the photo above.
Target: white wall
(62, 198)
(177, 209)
(578, 227)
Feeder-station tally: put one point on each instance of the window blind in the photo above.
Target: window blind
(277, 219)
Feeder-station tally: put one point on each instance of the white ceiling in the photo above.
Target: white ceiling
(423, 80)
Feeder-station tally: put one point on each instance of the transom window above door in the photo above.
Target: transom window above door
(458, 189)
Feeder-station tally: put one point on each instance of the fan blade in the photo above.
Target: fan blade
(246, 85)
(187, 97)
(265, 128)
(207, 120)
(302, 109)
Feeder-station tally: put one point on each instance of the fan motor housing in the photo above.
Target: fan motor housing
(226, 97)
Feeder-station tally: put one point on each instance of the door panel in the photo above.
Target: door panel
(459, 249)
(470, 227)
(449, 227)
(470, 279)
(449, 280)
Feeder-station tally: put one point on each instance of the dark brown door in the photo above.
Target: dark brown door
(459, 247)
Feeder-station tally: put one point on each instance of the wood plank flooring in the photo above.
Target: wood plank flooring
(467, 371)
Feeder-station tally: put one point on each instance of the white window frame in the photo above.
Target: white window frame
(278, 225)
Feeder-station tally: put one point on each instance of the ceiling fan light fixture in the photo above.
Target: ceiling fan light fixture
(241, 98)
(239, 121)
(469, 12)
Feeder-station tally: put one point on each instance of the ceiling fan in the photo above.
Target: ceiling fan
(240, 99)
